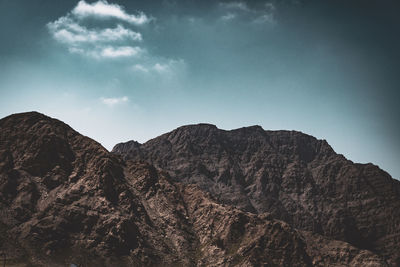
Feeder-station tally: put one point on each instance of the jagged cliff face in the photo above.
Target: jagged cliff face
(65, 199)
(293, 176)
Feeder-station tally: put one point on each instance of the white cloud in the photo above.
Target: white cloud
(66, 30)
(235, 5)
(75, 50)
(108, 52)
(140, 68)
(266, 18)
(122, 51)
(161, 68)
(259, 15)
(98, 42)
(111, 40)
(228, 17)
(169, 67)
(103, 9)
(112, 101)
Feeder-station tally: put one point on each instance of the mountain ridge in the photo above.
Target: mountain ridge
(296, 177)
(65, 199)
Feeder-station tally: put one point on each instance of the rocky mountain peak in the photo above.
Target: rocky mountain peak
(291, 175)
(196, 196)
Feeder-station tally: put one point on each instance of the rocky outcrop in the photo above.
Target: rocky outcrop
(293, 176)
(62, 193)
(65, 199)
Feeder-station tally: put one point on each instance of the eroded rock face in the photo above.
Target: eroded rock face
(294, 177)
(62, 192)
(65, 199)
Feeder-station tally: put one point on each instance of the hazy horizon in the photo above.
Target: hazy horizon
(132, 70)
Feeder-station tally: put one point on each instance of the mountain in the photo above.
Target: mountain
(293, 176)
(64, 199)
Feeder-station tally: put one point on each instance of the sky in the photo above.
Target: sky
(120, 70)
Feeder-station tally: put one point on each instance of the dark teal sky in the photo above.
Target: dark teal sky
(122, 70)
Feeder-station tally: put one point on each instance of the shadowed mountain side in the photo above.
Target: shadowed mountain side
(293, 176)
(65, 199)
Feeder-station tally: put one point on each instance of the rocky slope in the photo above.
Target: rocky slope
(294, 177)
(65, 199)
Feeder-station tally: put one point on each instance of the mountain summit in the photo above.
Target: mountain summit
(293, 176)
(197, 196)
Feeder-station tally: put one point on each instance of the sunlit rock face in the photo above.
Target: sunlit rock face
(197, 196)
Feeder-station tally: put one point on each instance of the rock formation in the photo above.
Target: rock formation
(293, 176)
(197, 196)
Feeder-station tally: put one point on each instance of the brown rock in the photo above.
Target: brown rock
(293, 176)
(65, 199)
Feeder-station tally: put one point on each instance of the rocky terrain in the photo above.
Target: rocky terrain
(293, 176)
(197, 196)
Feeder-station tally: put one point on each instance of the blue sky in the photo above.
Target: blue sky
(121, 70)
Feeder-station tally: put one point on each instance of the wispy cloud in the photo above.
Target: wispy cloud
(66, 30)
(118, 38)
(266, 18)
(98, 42)
(112, 101)
(228, 16)
(104, 52)
(162, 67)
(261, 14)
(236, 5)
(103, 9)
(122, 51)
(140, 68)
